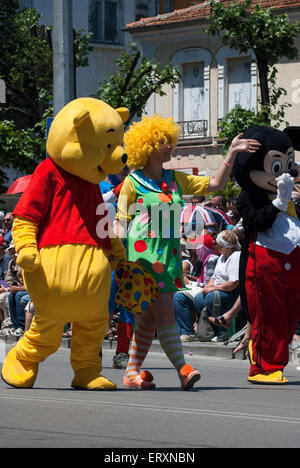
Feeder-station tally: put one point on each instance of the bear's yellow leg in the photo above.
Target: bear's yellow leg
(87, 338)
(17, 373)
(20, 367)
(72, 284)
(91, 379)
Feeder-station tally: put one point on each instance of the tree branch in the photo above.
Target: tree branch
(134, 108)
(16, 109)
(138, 78)
(129, 74)
(25, 97)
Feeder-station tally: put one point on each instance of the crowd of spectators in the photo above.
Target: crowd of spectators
(16, 308)
(204, 260)
(199, 262)
(211, 238)
(201, 247)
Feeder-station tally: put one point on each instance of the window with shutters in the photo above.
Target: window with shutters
(104, 21)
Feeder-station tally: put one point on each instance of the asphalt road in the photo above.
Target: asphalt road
(223, 410)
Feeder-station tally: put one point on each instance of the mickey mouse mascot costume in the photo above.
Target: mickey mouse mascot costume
(270, 258)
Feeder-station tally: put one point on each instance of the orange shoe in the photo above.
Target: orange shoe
(142, 382)
(189, 376)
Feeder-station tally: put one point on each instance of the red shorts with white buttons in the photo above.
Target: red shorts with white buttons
(273, 297)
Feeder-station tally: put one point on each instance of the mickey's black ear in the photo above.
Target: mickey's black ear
(294, 134)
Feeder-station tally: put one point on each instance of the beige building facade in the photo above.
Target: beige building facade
(214, 79)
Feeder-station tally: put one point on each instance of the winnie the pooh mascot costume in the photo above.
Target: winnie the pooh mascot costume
(58, 235)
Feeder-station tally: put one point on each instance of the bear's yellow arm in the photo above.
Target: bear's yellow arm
(24, 234)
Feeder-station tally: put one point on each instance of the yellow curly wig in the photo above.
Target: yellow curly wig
(142, 137)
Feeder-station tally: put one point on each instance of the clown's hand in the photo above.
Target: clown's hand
(29, 259)
(244, 144)
(285, 184)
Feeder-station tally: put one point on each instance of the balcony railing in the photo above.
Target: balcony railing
(193, 128)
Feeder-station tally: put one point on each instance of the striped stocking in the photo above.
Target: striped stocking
(140, 346)
(169, 339)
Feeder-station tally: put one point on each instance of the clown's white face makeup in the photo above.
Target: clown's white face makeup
(275, 164)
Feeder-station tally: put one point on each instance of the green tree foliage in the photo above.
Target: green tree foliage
(237, 121)
(270, 35)
(26, 66)
(137, 80)
(230, 192)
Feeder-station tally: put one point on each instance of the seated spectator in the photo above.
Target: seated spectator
(2, 214)
(197, 216)
(5, 321)
(226, 319)
(219, 202)
(27, 305)
(296, 337)
(4, 258)
(183, 300)
(29, 313)
(216, 209)
(6, 231)
(25, 300)
(190, 264)
(10, 276)
(68, 330)
(225, 280)
(232, 211)
(16, 308)
(194, 218)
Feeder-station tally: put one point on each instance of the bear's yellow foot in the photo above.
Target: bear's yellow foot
(89, 379)
(274, 378)
(19, 374)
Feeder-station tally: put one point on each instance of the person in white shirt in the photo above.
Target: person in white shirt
(225, 279)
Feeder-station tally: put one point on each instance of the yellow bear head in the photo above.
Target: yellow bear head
(86, 139)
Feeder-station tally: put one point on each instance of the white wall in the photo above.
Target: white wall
(101, 60)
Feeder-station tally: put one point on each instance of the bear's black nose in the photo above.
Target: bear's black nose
(293, 172)
(124, 158)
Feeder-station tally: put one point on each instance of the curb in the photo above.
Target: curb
(217, 350)
(214, 350)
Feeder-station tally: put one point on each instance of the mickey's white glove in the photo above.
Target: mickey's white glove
(285, 184)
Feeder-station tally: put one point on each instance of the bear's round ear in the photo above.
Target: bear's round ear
(81, 118)
(294, 134)
(123, 113)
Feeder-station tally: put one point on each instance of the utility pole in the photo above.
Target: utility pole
(63, 57)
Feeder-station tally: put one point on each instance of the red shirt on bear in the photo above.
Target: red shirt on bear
(64, 207)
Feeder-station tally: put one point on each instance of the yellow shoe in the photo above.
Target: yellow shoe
(273, 378)
(19, 374)
(89, 379)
